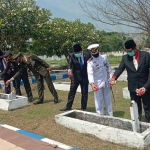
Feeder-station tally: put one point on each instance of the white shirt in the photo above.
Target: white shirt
(135, 62)
(98, 70)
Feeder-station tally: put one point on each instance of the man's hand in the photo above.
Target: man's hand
(70, 73)
(112, 81)
(8, 82)
(94, 87)
(140, 91)
(48, 69)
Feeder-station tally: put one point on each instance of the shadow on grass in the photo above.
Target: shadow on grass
(52, 101)
(119, 113)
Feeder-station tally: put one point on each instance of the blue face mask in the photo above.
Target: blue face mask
(78, 55)
(131, 53)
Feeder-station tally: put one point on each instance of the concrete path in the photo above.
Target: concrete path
(12, 138)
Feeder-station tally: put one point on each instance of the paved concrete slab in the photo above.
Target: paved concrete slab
(12, 138)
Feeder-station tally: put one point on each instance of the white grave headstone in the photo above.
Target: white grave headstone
(65, 86)
(12, 101)
(134, 117)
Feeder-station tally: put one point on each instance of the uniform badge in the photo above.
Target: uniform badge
(97, 66)
(33, 63)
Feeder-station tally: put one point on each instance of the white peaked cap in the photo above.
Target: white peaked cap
(93, 46)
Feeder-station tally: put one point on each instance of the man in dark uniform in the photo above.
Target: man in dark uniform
(77, 71)
(7, 74)
(14, 66)
(40, 69)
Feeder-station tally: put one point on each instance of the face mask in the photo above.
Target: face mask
(95, 55)
(78, 55)
(131, 53)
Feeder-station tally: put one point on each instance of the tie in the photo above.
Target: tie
(135, 62)
(81, 63)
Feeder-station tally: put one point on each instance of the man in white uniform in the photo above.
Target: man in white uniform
(99, 72)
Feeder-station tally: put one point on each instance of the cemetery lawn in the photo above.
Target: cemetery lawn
(40, 119)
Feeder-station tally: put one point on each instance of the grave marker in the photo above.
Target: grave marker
(134, 117)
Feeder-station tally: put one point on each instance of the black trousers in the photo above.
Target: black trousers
(25, 79)
(145, 99)
(40, 86)
(84, 92)
(7, 88)
(16, 84)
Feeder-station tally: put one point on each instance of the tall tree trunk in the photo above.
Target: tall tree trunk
(67, 58)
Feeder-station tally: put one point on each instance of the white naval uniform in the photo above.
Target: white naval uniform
(97, 74)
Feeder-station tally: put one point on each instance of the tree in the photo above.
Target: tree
(62, 35)
(131, 13)
(21, 20)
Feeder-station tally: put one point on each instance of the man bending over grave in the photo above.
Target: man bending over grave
(40, 69)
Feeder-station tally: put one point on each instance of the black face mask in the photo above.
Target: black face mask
(95, 55)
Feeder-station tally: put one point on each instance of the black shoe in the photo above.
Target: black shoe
(55, 100)
(30, 98)
(38, 102)
(65, 108)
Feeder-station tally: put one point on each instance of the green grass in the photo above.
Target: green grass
(113, 60)
(58, 62)
(40, 118)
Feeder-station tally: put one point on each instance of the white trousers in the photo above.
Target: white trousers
(99, 96)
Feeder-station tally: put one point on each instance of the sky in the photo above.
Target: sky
(71, 10)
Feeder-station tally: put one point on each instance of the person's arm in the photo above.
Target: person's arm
(118, 72)
(90, 72)
(16, 75)
(6, 70)
(42, 62)
(70, 67)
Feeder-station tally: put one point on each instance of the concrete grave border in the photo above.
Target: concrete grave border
(103, 132)
(11, 101)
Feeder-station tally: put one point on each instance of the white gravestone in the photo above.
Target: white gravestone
(12, 101)
(134, 117)
(126, 93)
(65, 86)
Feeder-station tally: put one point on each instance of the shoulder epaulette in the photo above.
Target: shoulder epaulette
(90, 59)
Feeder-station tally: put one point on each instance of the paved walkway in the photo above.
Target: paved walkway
(12, 138)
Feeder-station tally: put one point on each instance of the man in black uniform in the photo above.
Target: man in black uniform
(14, 67)
(40, 69)
(7, 74)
